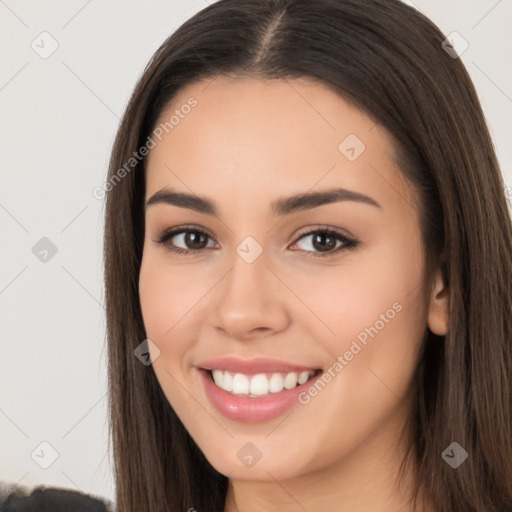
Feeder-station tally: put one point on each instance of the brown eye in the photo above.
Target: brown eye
(322, 242)
(191, 240)
(195, 239)
(325, 242)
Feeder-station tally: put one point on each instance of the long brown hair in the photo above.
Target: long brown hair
(388, 59)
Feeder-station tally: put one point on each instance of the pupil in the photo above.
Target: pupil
(322, 238)
(193, 237)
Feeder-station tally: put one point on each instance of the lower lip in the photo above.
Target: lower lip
(252, 410)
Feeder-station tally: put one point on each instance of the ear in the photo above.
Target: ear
(439, 305)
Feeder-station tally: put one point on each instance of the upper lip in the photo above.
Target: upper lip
(252, 366)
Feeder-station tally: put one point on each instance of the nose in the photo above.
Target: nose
(251, 301)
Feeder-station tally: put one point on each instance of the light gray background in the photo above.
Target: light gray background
(59, 117)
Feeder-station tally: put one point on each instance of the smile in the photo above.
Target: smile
(255, 390)
(260, 384)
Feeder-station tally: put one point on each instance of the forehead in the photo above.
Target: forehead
(269, 136)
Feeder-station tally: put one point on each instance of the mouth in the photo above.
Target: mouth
(260, 384)
(254, 390)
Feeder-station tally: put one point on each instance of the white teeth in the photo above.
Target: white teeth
(218, 377)
(227, 382)
(290, 381)
(276, 383)
(240, 384)
(303, 377)
(259, 384)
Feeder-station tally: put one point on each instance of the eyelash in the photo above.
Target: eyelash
(349, 243)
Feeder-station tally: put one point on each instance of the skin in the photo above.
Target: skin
(245, 144)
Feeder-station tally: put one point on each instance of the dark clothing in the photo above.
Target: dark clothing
(52, 499)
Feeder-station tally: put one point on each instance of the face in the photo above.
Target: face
(273, 290)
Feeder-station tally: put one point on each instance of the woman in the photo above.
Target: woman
(308, 268)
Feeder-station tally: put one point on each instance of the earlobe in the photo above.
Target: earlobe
(439, 306)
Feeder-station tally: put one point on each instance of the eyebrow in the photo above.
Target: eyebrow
(281, 206)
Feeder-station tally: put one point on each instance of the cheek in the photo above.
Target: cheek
(164, 312)
(173, 299)
(156, 300)
(372, 314)
(168, 295)
(344, 301)
(379, 317)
